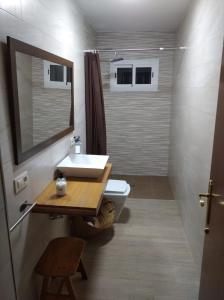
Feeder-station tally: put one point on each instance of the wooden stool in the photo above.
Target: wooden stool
(61, 259)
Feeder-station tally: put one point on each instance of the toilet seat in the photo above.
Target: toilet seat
(116, 187)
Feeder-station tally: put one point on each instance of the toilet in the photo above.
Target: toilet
(117, 191)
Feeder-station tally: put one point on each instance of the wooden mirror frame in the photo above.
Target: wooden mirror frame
(13, 46)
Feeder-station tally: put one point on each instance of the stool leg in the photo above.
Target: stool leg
(70, 288)
(82, 270)
(44, 288)
(61, 286)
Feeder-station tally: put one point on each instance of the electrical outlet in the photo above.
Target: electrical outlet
(21, 182)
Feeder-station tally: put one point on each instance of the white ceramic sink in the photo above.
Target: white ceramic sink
(83, 165)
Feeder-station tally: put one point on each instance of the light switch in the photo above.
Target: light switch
(21, 182)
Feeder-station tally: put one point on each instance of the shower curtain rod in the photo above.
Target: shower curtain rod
(134, 49)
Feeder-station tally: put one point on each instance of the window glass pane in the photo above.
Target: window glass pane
(56, 73)
(69, 74)
(124, 75)
(143, 75)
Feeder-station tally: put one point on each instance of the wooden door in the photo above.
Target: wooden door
(212, 276)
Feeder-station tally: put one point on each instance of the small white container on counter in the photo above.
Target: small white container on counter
(61, 186)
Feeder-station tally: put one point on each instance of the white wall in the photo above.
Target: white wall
(58, 27)
(6, 276)
(196, 83)
(138, 123)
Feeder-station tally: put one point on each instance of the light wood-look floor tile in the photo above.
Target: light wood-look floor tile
(144, 257)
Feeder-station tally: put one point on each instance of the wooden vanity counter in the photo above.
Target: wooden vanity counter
(83, 197)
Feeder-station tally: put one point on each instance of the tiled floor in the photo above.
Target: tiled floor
(147, 187)
(144, 257)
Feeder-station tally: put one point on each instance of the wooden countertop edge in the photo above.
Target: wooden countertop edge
(68, 210)
(64, 211)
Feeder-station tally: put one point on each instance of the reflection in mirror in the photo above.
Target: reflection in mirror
(44, 96)
(41, 102)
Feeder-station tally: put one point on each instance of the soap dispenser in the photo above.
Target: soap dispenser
(76, 145)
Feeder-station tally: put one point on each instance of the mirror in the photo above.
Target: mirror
(42, 98)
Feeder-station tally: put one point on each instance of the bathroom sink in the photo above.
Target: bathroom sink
(83, 165)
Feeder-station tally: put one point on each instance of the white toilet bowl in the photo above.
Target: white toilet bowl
(117, 191)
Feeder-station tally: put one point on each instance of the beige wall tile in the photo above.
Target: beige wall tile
(138, 123)
(196, 83)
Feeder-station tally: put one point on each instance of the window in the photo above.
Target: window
(124, 75)
(56, 76)
(56, 73)
(135, 75)
(143, 75)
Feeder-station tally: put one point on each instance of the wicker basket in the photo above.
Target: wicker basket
(90, 227)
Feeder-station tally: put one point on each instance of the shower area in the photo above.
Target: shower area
(138, 117)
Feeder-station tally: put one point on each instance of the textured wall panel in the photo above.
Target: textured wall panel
(138, 122)
(51, 107)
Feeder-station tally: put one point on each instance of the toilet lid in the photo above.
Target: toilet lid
(116, 186)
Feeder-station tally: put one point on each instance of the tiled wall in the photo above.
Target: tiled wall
(58, 27)
(24, 78)
(138, 123)
(197, 72)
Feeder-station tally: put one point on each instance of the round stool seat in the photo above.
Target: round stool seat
(61, 258)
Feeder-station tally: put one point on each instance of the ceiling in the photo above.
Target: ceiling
(134, 15)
